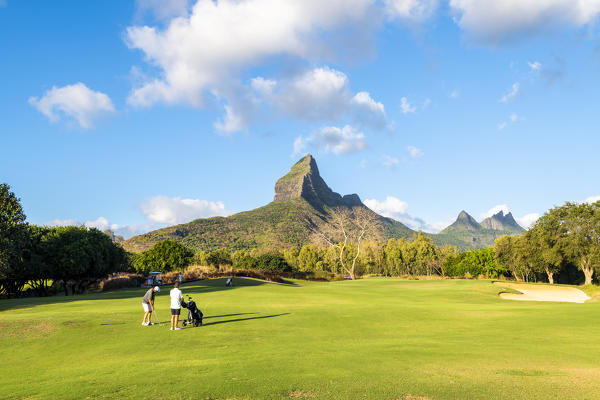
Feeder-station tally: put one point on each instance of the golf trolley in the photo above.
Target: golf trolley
(194, 316)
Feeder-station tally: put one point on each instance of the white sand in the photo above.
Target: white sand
(543, 293)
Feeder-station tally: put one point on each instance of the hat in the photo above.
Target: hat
(156, 289)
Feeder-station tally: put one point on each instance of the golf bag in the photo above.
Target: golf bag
(194, 316)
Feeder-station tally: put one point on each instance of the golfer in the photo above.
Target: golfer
(176, 297)
(148, 305)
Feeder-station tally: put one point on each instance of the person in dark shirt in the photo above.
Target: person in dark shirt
(148, 305)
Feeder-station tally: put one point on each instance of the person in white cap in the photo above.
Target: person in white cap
(148, 305)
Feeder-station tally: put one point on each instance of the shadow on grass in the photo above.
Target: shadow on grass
(194, 287)
(228, 315)
(244, 319)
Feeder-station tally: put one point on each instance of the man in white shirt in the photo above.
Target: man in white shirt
(176, 297)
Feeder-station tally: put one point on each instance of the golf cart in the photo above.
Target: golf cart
(154, 279)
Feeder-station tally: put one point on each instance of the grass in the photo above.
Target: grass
(369, 339)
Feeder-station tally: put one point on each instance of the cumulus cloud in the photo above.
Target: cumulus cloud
(414, 152)
(512, 118)
(512, 93)
(101, 223)
(405, 106)
(390, 162)
(76, 101)
(175, 210)
(500, 21)
(395, 208)
(331, 139)
(217, 39)
(592, 199)
(320, 94)
(528, 220)
(410, 10)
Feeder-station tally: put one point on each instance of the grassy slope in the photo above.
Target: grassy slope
(279, 224)
(371, 339)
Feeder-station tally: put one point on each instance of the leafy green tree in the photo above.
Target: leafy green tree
(581, 235)
(219, 257)
(163, 257)
(13, 238)
(78, 257)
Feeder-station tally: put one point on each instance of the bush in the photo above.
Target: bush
(272, 262)
(120, 280)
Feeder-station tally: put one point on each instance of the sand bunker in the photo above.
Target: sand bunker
(531, 292)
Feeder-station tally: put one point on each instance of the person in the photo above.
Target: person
(148, 305)
(180, 278)
(176, 297)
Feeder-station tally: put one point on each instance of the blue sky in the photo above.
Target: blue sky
(135, 115)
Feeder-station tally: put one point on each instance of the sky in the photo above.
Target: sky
(135, 115)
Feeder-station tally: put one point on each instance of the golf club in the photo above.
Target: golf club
(157, 319)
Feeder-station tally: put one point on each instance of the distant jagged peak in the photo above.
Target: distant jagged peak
(303, 180)
(501, 221)
(463, 222)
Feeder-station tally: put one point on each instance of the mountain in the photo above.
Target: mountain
(301, 197)
(502, 222)
(466, 233)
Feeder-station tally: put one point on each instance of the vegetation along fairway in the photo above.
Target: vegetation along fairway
(371, 339)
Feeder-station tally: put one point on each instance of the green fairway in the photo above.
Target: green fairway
(366, 339)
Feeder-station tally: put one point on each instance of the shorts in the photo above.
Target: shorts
(175, 311)
(146, 306)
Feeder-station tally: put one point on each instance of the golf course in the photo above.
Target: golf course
(376, 338)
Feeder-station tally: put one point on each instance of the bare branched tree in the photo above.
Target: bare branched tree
(343, 227)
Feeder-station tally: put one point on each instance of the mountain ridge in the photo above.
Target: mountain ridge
(303, 199)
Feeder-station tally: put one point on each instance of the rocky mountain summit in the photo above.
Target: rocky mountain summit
(500, 221)
(304, 181)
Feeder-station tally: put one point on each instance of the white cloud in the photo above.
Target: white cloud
(513, 117)
(331, 139)
(74, 101)
(101, 224)
(390, 161)
(405, 106)
(426, 103)
(321, 94)
(454, 94)
(528, 220)
(499, 21)
(411, 10)
(3, 3)
(512, 93)
(534, 66)
(175, 210)
(495, 210)
(391, 207)
(502, 125)
(62, 222)
(592, 199)
(414, 152)
(395, 208)
(218, 39)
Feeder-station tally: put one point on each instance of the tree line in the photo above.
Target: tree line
(73, 258)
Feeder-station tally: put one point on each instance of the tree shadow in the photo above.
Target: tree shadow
(197, 287)
(244, 319)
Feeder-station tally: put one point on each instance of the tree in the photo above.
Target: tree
(344, 226)
(78, 257)
(163, 257)
(581, 235)
(13, 237)
(542, 246)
